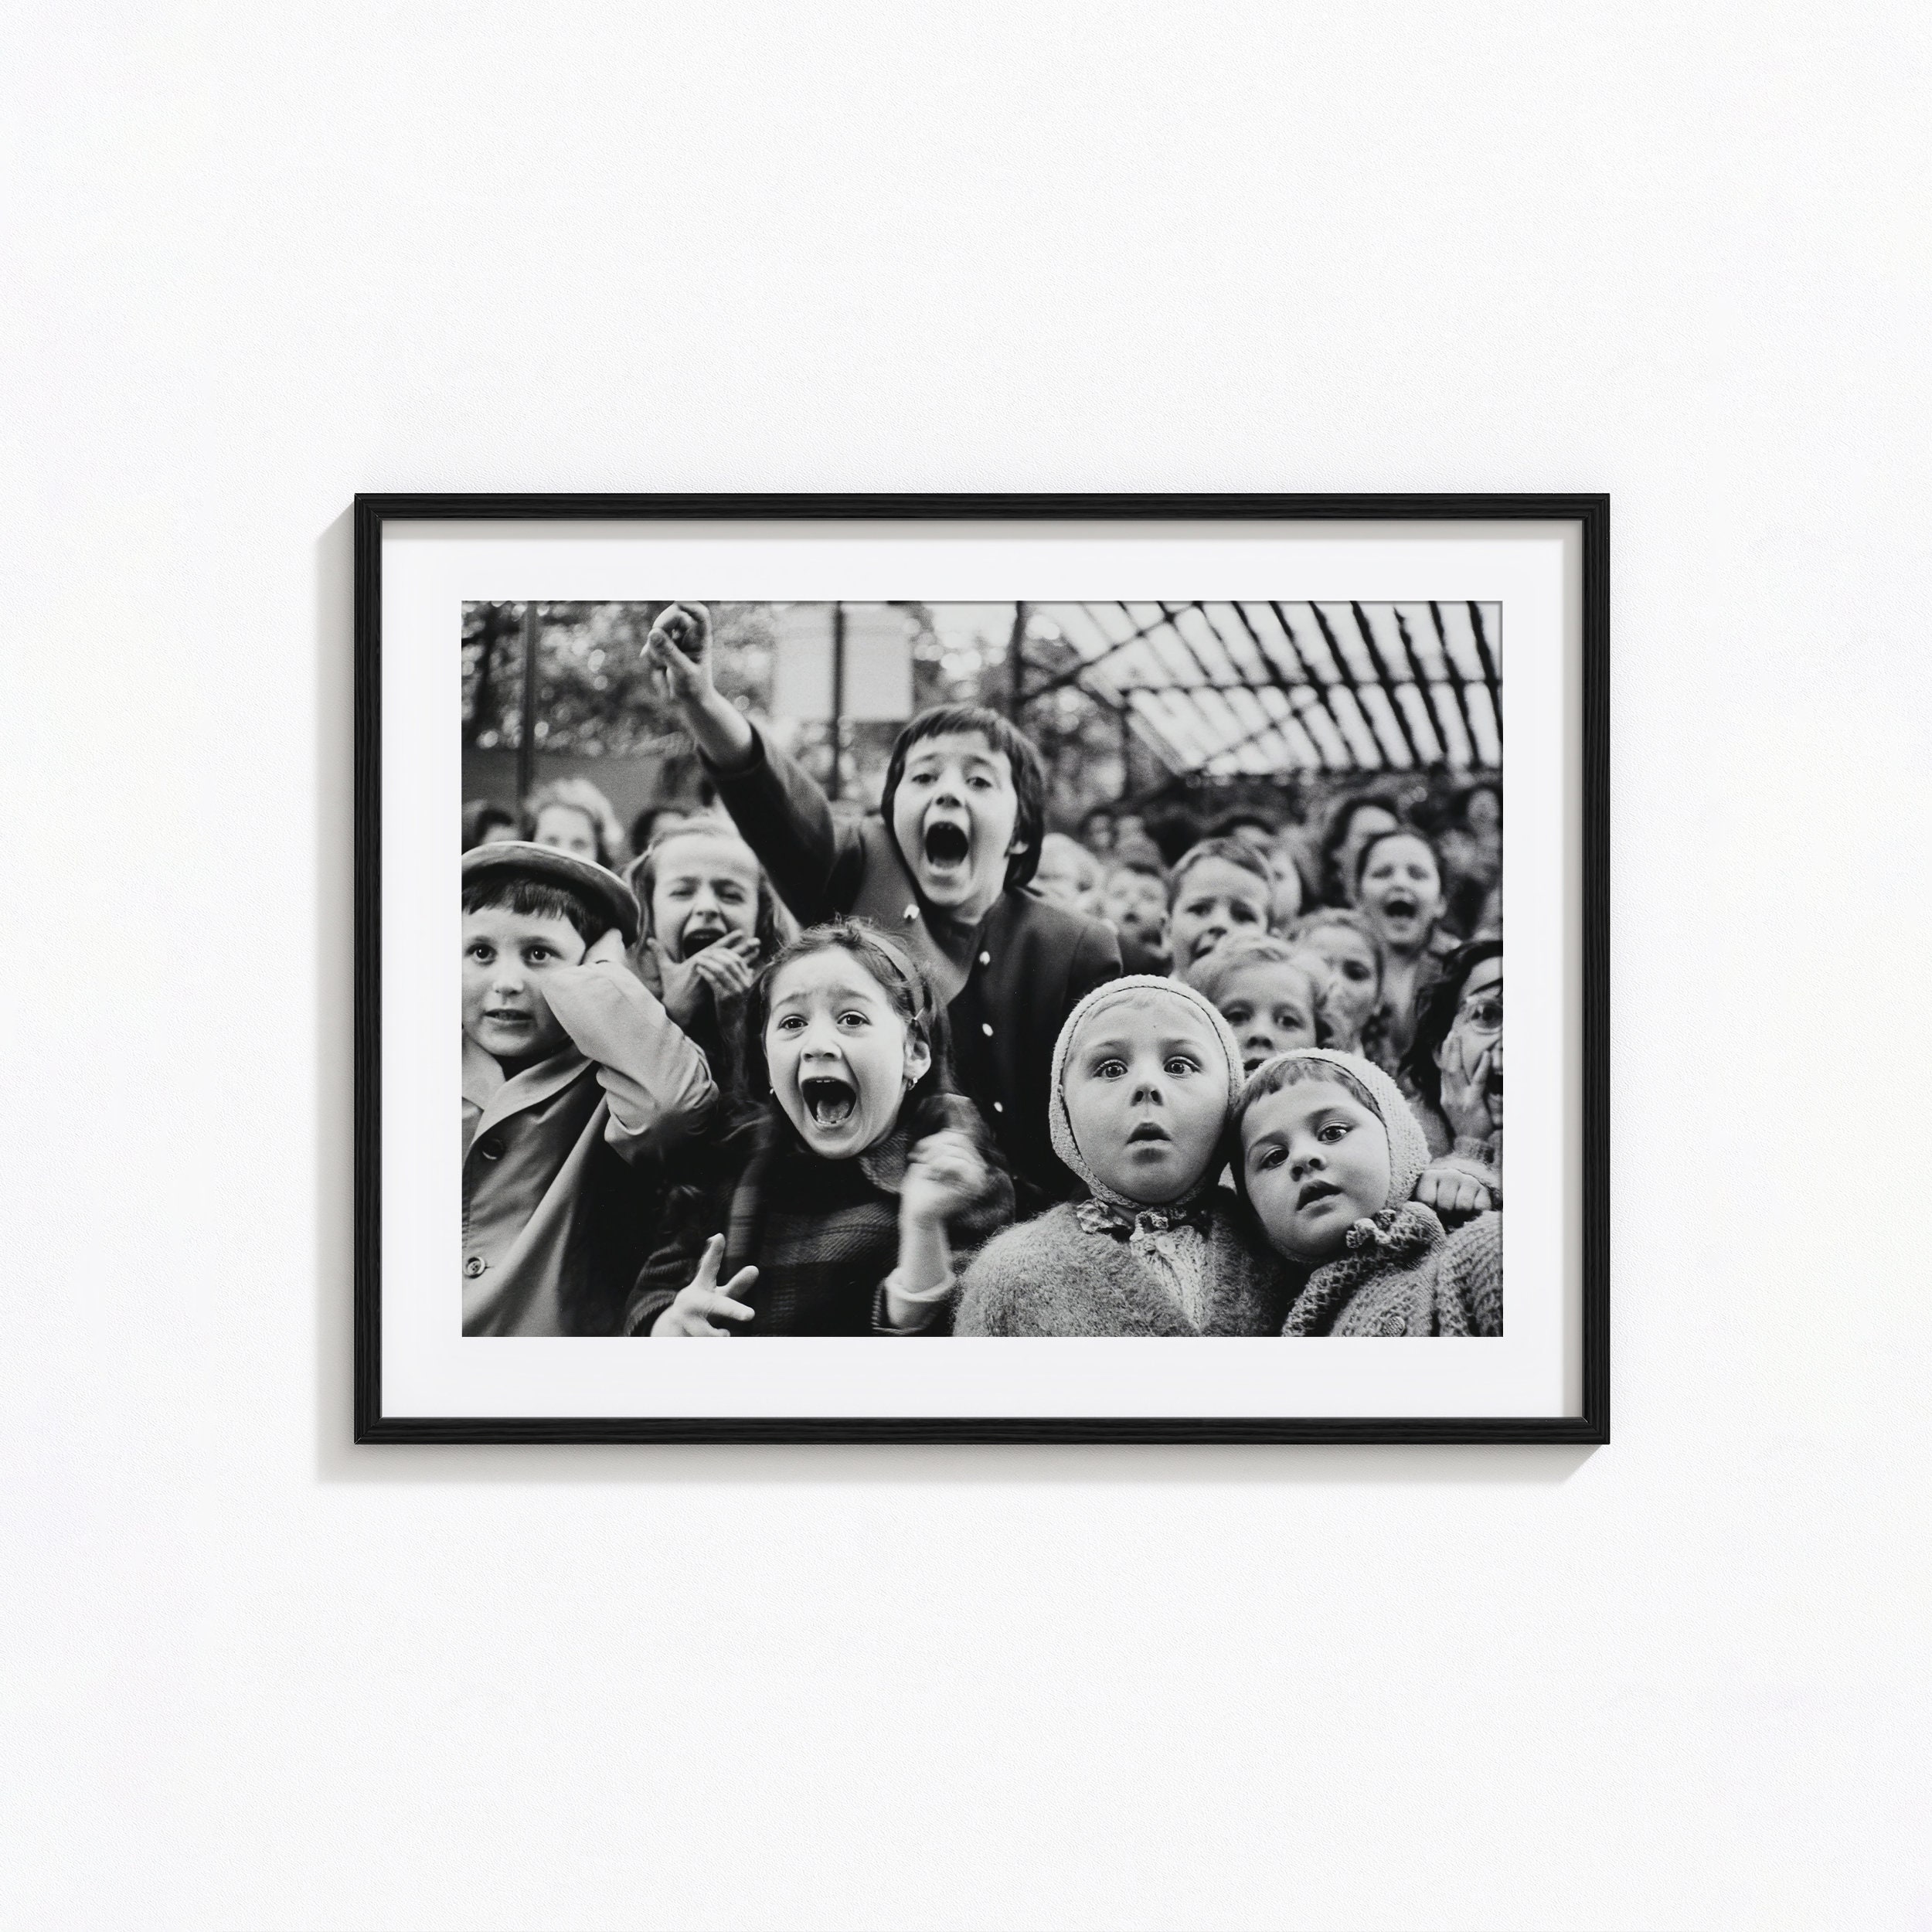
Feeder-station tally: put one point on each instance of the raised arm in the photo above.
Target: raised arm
(659, 1085)
(778, 808)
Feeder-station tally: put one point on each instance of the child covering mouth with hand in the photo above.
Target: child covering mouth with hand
(1330, 1153)
(1145, 1077)
(845, 1201)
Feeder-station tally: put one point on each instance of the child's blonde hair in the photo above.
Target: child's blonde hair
(1210, 975)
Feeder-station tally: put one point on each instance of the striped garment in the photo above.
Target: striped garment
(823, 1235)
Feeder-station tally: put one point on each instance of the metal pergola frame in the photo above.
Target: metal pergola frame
(1231, 688)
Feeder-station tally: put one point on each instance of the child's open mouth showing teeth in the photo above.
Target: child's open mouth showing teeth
(946, 845)
(829, 1102)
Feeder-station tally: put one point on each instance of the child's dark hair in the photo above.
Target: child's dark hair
(1335, 835)
(1235, 852)
(537, 899)
(480, 817)
(1401, 832)
(1436, 1006)
(1240, 950)
(903, 982)
(1030, 779)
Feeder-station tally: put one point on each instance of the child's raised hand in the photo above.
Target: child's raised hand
(1465, 1092)
(729, 965)
(678, 653)
(944, 1176)
(682, 986)
(702, 1298)
(1452, 1191)
(605, 949)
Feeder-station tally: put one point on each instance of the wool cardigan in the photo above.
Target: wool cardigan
(1402, 1276)
(1008, 983)
(1050, 1277)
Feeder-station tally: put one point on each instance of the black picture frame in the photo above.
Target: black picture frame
(1589, 512)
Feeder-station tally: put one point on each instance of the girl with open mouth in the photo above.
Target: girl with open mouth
(944, 866)
(1399, 887)
(843, 1205)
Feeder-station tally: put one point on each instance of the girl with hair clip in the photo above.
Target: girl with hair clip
(943, 865)
(843, 1204)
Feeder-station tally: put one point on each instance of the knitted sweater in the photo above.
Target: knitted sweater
(1051, 1277)
(1402, 1275)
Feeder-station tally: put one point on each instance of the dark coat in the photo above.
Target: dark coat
(1009, 982)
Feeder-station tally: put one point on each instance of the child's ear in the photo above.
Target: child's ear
(918, 1057)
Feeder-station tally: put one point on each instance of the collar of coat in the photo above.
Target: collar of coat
(496, 1095)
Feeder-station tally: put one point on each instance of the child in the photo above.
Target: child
(1352, 823)
(846, 1199)
(1399, 887)
(1221, 886)
(572, 815)
(1454, 1070)
(710, 918)
(1329, 1155)
(1270, 1000)
(1068, 874)
(942, 866)
(1346, 943)
(1145, 1077)
(573, 1073)
(1134, 904)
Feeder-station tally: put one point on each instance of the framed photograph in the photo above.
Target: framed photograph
(1057, 938)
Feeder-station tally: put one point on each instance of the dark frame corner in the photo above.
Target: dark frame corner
(1591, 512)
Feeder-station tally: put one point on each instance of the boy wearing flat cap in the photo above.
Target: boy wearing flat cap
(576, 1082)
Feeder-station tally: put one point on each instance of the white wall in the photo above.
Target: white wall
(259, 259)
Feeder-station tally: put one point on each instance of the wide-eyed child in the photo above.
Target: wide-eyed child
(576, 1084)
(1220, 887)
(844, 1204)
(1271, 999)
(1329, 1154)
(1347, 945)
(1145, 1077)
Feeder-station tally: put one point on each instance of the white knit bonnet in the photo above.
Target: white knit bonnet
(1109, 993)
(1408, 1147)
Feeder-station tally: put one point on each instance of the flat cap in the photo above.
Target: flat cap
(545, 865)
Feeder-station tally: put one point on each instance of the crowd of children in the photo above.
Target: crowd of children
(941, 1070)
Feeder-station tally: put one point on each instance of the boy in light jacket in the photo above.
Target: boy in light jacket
(575, 1083)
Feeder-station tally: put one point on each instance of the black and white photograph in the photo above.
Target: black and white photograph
(1090, 969)
(1022, 976)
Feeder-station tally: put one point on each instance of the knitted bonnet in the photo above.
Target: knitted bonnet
(1408, 1148)
(1110, 993)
